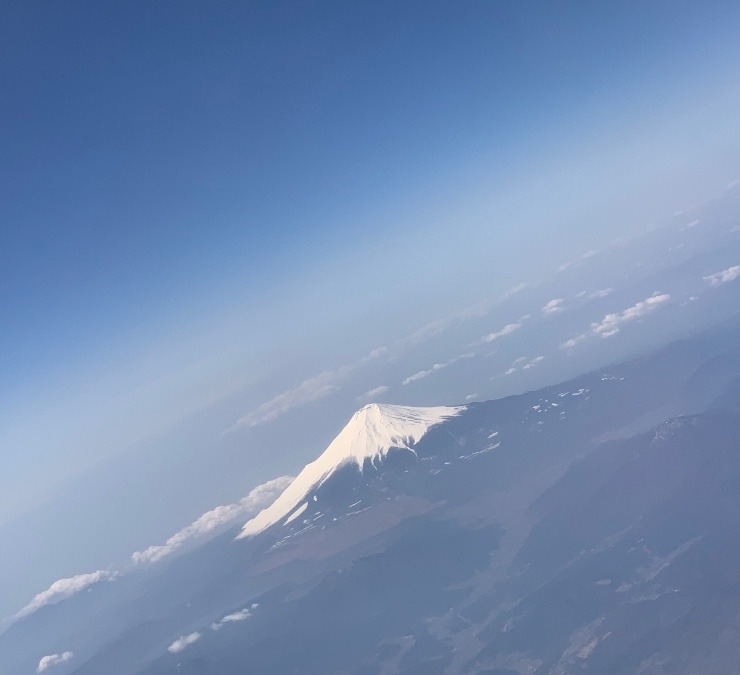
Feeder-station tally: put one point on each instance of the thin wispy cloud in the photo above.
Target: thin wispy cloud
(611, 324)
(533, 362)
(564, 267)
(235, 617)
(589, 254)
(63, 589)
(508, 329)
(723, 277)
(330, 381)
(418, 376)
(689, 226)
(524, 363)
(373, 393)
(513, 291)
(471, 397)
(47, 662)
(436, 367)
(572, 342)
(308, 391)
(554, 306)
(257, 499)
(182, 642)
(602, 293)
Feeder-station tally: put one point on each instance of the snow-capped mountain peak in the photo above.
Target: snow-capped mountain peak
(370, 434)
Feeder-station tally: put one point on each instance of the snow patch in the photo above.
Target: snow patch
(297, 513)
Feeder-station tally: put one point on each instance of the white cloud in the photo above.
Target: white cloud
(53, 660)
(63, 589)
(471, 397)
(564, 267)
(689, 226)
(589, 254)
(182, 642)
(506, 330)
(258, 498)
(310, 390)
(437, 366)
(554, 306)
(242, 615)
(322, 385)
(569, 344)
(373, 393)
(611, 323)
(416, 376)
(513, 291)
(723, 277)
(525, 363)
(602, 293)
(533, 362)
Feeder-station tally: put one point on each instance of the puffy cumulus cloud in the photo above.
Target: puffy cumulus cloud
(373, 393)
(437, 366)
(612, 323)
(554, 306)
(242, 615)
(183, 642)
(63, 589)
(53, 660)
(258, 498)
(723, 277)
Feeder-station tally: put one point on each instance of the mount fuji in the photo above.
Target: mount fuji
(368, 437)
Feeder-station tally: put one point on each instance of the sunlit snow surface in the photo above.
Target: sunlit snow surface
(370, 434)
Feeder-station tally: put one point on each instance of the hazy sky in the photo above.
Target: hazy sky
(223, 222)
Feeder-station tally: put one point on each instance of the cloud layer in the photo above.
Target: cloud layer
(260, 497)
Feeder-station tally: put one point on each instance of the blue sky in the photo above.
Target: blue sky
(204, 206)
